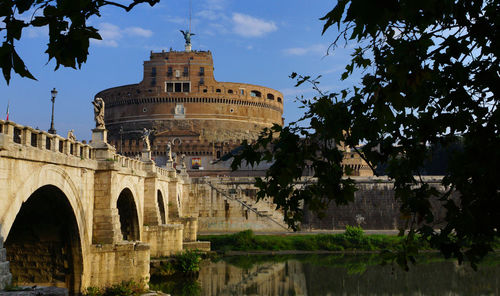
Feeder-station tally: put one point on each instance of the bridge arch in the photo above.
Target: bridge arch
(129, 216)
(161, 206)
(44, 244)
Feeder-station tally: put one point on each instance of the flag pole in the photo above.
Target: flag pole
(8, 103)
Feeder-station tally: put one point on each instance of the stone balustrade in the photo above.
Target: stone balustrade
(13, 133)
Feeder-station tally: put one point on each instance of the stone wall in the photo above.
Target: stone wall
(374, 207)
(221, 211)
(164, 240)
(5, 275)
(114, 263)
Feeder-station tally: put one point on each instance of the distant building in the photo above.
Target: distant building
(182, 103)
(180, 100)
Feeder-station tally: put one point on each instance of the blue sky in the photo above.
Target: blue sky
(258, 42)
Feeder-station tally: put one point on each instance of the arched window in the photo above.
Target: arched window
(255, 93)
(229, 91)
(279, 99)
(270, 96)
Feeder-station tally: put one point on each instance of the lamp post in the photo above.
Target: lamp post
(53, 93)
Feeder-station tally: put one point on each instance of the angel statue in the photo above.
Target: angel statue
(187, 36)
(99, 112)
(183, 161)
(145, 139)
(169, 151)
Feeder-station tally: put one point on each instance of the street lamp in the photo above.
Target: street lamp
(53, 93)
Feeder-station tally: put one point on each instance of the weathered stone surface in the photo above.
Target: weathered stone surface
(49, 178)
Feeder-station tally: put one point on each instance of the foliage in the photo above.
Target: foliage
(129, 288)
(69, 33)
(352, 239)
(353, 231)
(177, 286)
(431, 79)
(188, 261)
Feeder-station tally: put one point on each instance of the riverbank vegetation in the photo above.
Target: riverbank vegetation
(353, 239)
(128, 288)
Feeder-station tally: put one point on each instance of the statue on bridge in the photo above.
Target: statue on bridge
(71, 135)
(99, 113)
(169, 151)
(145, 138)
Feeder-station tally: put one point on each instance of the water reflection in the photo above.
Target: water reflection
(335, 275)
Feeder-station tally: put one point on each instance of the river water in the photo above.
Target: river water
(335, 275)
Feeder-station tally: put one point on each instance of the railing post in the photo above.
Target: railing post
(41, 140)
(26, 136)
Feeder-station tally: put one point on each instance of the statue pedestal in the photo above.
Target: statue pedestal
(188, 47)
(146, 156)
(170, 165)
(101, 148)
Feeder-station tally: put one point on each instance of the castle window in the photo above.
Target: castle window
(178, 87)
(217, 90)
(270, 96)
(185, 87)
(153, 72)
(186, 72)
(170, 87)
(230, 91)
(169, 71)
(153, 81)
(255, 93)
(202, 81)
(205, 90)
(202, 71)
(242, 91)
(279, 99)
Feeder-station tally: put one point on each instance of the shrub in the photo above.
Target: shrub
(188, 262)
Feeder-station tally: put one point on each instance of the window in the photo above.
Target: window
(153, 72)
(205, 90)
(230, 91)
(153, 81)
(242, 91)
(202, 71)
(169, 72)
(186, 72)
(170, 87)
(255, 93)
(270, 96)
(279, 99)
(178, 87)
(217, 90)
(202, 81)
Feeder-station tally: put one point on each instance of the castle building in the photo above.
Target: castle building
(180, 101)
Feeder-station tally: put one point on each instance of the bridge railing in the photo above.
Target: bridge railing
(16, 134)
(128, 162)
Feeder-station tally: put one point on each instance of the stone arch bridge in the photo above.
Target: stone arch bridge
(79, 215)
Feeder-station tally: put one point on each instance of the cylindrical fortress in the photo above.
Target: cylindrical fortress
(180, 100)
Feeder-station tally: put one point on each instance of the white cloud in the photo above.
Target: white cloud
(137, 31)
(112, 34)
(35, 32)
(313, 49)
(248, 26)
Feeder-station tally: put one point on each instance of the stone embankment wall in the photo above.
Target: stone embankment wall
(229, 205)
(374, 207)
(223, 209)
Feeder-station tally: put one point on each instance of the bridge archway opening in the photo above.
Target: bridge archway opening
(43, 244)
(129, 222)
(161, 207)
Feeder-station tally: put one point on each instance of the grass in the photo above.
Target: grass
(129, 288)
(352, 240)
